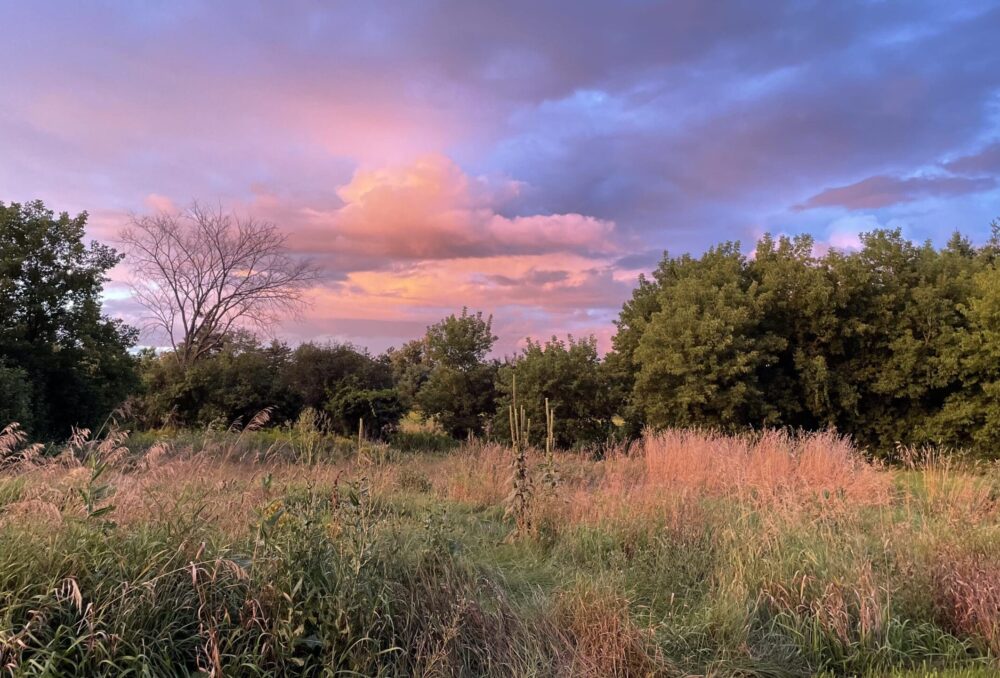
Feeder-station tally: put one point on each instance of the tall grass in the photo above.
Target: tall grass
(688, 553)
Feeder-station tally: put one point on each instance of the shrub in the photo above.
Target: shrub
(379, 409)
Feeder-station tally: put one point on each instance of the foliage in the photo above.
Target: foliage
(458, 390)
(570, 376)
(423, 441)
(348, 383)
(316, 371)
(60, 355)
(15, 395)
(894, 343)
(240, 379)
(410, 366)
(244, 376)
(700, 357)
(379, 409)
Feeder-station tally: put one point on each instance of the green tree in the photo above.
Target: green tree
(348, 383)
(620, 364)
(891, 343)
(570, 375)
(798, 313)
(970, 414)
(233, 383)
(459, 386)
(380, 409)
(15, 396)
(54, 341)
(315, 371)
(700, 356)
(410, 367)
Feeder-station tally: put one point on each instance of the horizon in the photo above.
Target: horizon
(518, 159)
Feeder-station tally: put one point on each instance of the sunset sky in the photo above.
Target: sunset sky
(528, 159)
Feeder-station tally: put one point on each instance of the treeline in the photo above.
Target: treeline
(446, 376)
(895, 343)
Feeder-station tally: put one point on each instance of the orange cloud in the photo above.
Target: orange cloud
(431, 209)
(407, 245)
(419, 241)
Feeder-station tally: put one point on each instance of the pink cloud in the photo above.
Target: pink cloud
(431, 209)
(409, 244)
(528, 298)
(986, 161)
(160, 203)
(883, 191)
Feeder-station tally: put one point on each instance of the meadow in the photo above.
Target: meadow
(289, 552)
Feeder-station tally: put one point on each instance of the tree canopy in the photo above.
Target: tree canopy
(570, 375)
(894, 343)
(62, 363)
(457, 387)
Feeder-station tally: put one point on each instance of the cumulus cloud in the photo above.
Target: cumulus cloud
(431, 209)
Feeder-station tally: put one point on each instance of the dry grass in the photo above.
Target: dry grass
(851, 557)
(772, 468)
(603, 636)
(967, 596)
(848, 611)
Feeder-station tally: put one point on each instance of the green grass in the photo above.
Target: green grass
(371, 569)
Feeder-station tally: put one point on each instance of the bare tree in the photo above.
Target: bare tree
(203, 272)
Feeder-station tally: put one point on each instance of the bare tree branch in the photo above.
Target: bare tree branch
(203, 272)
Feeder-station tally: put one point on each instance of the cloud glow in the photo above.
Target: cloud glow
(514, 157)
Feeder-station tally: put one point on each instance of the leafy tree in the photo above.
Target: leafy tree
(570, 374)
(925, 346)
(243, 376)
(234, 382)
(459, 386)
(700, 355)
(410, 367)
(898, 336)
(60, 354)
(620, 364)
(348, 383)
(316, 371)
(15, 396)
(892, 343)
(799, 314)
(970, 414)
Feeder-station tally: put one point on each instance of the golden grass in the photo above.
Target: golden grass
(795, 517)
(967, 596)
(604, 639)
(666, 475)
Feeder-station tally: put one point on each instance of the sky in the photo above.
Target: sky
(526, 159)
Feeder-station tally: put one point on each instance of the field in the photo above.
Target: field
(269, 552)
